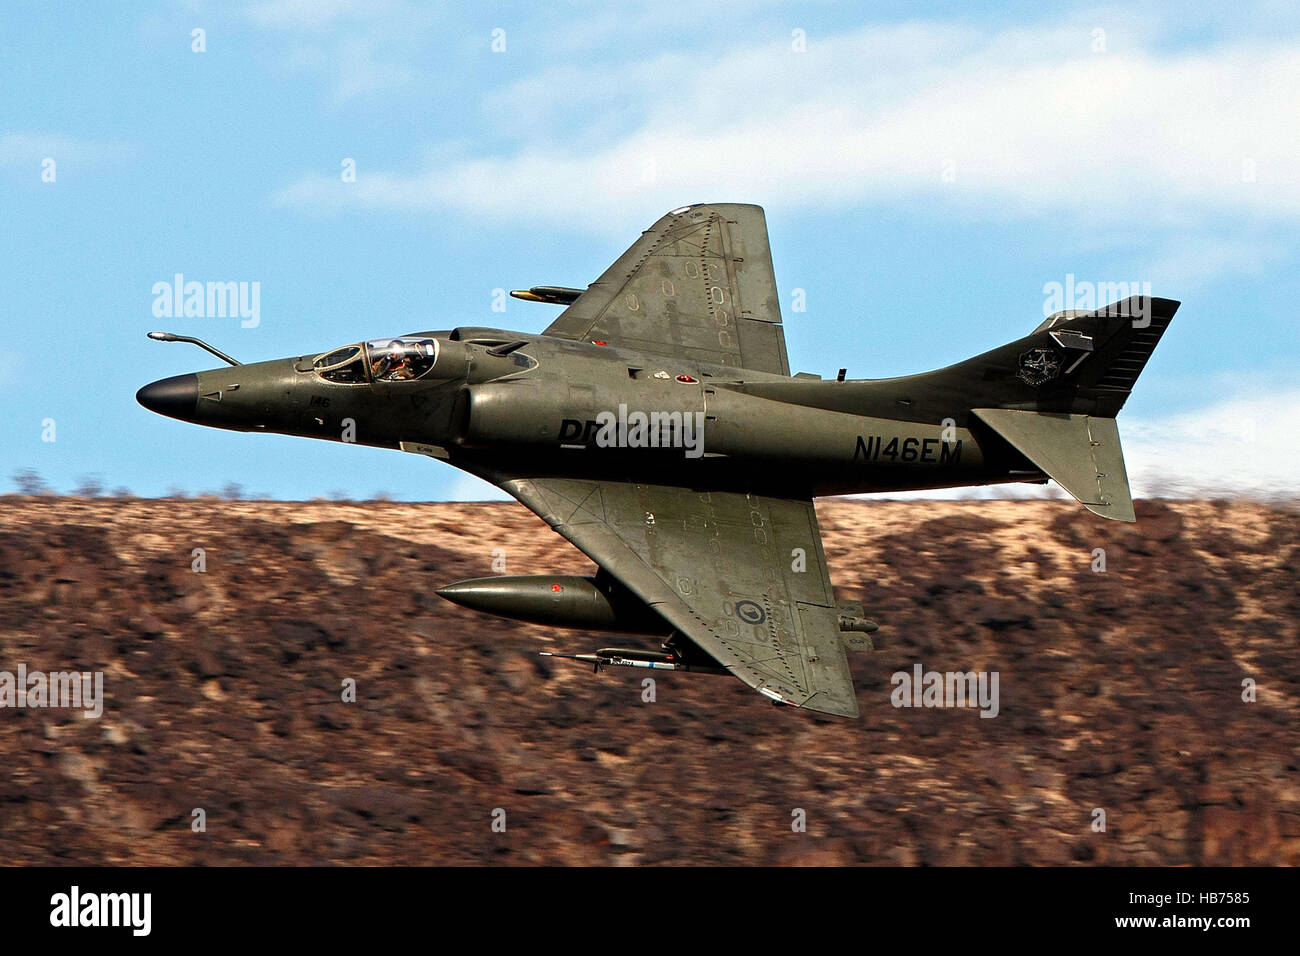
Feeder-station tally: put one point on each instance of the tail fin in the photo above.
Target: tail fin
(1083, 367)
(1106, 350)
(1081, 363)
(1052, 395)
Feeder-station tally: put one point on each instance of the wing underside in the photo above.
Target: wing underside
(742, 576)
(698, 284)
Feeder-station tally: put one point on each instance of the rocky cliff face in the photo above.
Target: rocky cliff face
(1119, 690)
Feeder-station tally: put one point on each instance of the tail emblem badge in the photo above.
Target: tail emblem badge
(1038, 366)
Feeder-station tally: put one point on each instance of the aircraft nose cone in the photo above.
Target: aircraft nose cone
(175, 397)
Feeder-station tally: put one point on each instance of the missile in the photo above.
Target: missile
(633, 657)
(598, 604)
(550, 294)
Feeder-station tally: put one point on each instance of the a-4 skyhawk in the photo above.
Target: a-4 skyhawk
(656, 425)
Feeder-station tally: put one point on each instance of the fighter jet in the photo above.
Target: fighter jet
(655, 424)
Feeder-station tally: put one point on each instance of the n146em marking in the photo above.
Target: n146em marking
(934, 451)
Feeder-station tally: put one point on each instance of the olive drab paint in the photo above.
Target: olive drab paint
(656, 424)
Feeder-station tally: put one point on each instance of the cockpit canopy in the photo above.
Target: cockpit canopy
(379, 360)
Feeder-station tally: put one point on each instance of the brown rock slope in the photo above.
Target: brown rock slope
(1119, 690)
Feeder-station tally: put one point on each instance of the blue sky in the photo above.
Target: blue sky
(927, 170)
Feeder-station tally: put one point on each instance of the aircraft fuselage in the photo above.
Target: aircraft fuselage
(581, 409)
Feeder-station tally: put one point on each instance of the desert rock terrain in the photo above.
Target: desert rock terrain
(1119, 690)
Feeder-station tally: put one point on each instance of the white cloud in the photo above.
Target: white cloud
(1238, 448)
(1241, 446)
(1030, 122)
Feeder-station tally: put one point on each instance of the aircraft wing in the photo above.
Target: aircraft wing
(698, 284)
(721, 567)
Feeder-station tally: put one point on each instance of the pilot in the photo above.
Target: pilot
(394, 366)
(399, 366)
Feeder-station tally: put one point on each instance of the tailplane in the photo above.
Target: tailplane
(1081, 453)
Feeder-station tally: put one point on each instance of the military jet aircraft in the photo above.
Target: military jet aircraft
(655, 424)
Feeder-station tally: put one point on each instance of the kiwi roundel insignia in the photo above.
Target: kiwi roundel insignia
(1038, 366)
(751, 612)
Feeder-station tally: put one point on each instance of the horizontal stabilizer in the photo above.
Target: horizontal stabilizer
(1081, 453)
